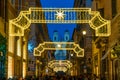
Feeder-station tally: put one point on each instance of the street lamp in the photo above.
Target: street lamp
(87, 37)
(71, 54)
(84, 32)
(84, 41)
(59, 45)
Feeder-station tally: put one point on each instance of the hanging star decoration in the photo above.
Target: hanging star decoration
(60, 15)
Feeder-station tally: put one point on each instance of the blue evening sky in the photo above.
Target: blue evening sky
(59, 27)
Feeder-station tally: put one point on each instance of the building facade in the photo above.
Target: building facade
(17, 46)
(84, 40)
(105, 50)
(61, 54)
(6, 12)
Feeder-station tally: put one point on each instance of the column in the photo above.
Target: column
(25, 52)
(93, 60)
(10, 56)
(37, 68)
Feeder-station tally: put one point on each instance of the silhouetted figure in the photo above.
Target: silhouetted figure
(103, 77)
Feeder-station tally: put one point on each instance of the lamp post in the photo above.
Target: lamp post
(84, 41)
(84, 34)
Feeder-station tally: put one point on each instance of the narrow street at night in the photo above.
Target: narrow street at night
(59, 40)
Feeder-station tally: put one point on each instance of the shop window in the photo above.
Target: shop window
(29, 62)
(20, 4)
(28, 68)
(54, 38)
(66, 38)
(96, 6)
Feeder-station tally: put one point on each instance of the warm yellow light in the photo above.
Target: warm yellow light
(24, 69)
(18, 26)
(71, 72)
(60, 63)
(37, 61)
(97, 70)
(71, 54)
(10, 67)
(24, 51)
(113, 55)
(59, 45)
(51, 46)
(60, 15)
(84, 32)
(19, 47)
(11, 44)
(1, 53)
(56, 69)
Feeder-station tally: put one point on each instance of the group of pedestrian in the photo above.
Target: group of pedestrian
(61, 77)
(67, 77)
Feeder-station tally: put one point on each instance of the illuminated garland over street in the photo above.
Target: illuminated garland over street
(52, 46)
(60, 65)
(18, 25)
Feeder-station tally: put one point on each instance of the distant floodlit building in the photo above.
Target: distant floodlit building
(84, 65)
(60, 54)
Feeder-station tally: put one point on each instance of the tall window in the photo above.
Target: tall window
(88, 3)
(114, 10)
(55, 38)
(66, 38)
(19, 47)
(96, 6)
(10, 67)
(101, 12)
(0, 7)
(19, 4)
(81, 2)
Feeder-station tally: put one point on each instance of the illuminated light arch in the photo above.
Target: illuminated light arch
(56, 69)
(54, 46)
(18, 25)
(60, 65)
